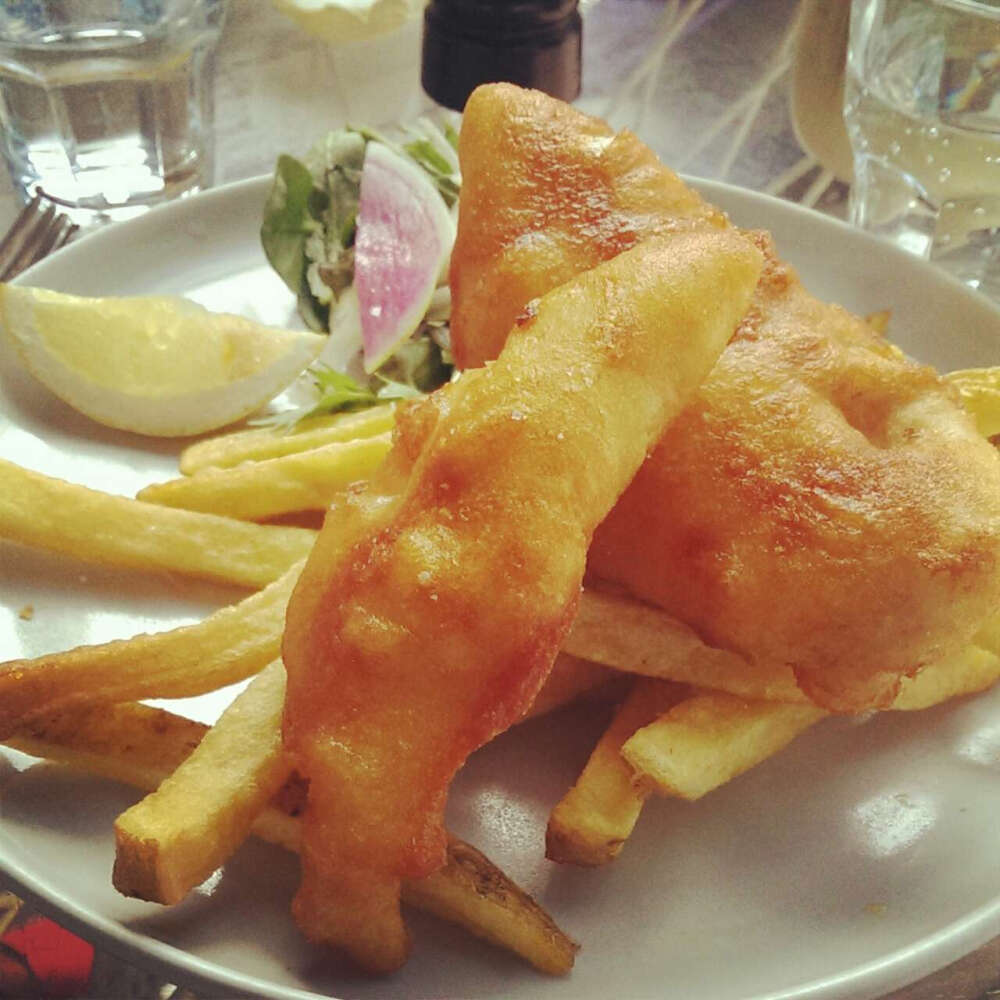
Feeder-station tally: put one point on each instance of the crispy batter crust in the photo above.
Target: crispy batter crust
(824, 502)
(429, 612)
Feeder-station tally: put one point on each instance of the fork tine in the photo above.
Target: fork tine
(34, 237)
(38, 232)
(67, 231)
(13, 241)
(57, 232)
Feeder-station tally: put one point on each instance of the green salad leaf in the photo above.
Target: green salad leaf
(308, 232)
(308, 227)
(428, 156)
(290, 220)
(338, 392)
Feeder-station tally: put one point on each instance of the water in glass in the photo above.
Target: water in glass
(922, 107)
(107, 107)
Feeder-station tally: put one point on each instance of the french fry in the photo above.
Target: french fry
(237, 641)
(710, 738)
(229, 645)
(261, 443)
(988, 635)
(637, 638)
(969, 671)
(472, 892)
(141, 745)
(47, 513)
(625, 634)
(596, 816)
(306, 480)
(178, 835)
(135, 744)
(700, 744)
(569, 679)
(979, 389)
(705, 741)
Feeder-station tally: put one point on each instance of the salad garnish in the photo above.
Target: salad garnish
(308, 234)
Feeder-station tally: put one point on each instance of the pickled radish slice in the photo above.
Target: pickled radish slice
(404, 238)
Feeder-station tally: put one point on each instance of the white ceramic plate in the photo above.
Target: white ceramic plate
(862, 858)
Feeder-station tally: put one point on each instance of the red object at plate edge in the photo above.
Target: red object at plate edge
(38, 958)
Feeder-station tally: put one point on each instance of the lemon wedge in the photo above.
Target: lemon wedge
(341, 21)
(158, 365)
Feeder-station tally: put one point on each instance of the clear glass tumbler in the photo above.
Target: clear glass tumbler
(922, 109)
(106, 105)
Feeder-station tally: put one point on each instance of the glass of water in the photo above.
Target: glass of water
(922, 108)
(106, 105)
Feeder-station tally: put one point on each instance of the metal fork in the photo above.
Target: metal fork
(38, 230)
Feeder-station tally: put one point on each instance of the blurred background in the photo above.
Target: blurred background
(707, 83)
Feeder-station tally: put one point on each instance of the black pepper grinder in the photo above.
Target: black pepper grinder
(534, 43)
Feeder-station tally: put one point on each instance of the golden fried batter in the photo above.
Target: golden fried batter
(824, 502)
(434, 602)
(547, 193)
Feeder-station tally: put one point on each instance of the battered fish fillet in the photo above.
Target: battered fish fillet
(823, 502)
(434, 602)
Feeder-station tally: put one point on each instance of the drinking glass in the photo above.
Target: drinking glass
(922, 109)
(106, 105)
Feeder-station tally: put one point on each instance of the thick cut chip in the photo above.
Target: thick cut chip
(974, 668)
(306, 480)
(259, 443)
(230, 645)
(141, 745)
(823, 502)
(592, 821)
(136, 744)
(709, 739)
(471, 891)
(629, 636)
(237, 641)
(51, 514)
(433, 605)
(178, 835)
(621, 632)
(715, 742)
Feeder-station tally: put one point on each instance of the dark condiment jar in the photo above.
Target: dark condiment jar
(534, 43)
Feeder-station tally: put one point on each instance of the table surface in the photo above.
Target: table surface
(707, 83)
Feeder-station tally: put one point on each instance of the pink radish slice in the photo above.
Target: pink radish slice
(404, 235)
